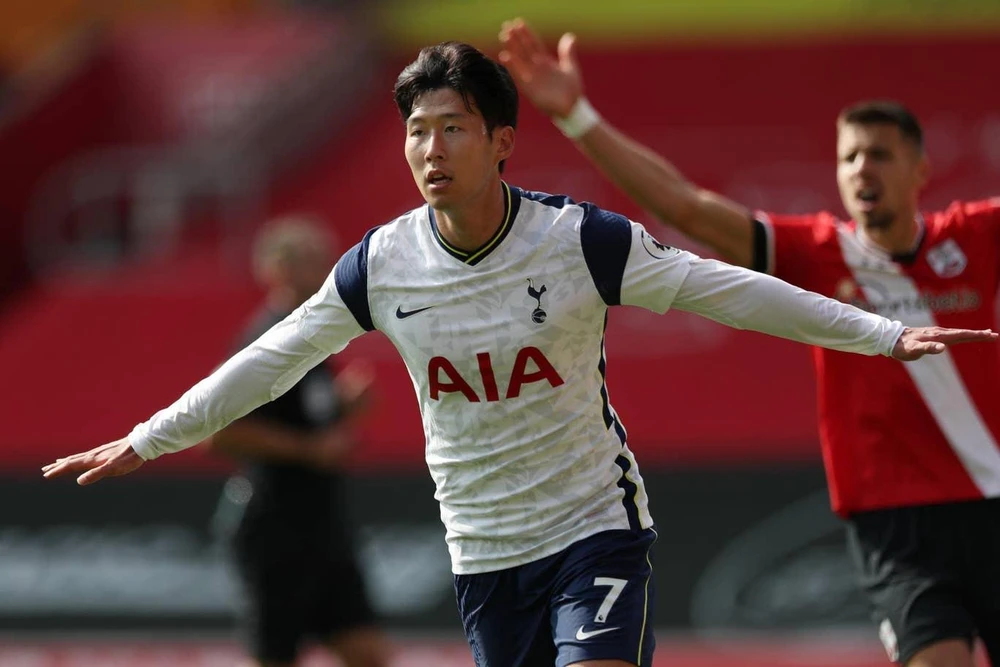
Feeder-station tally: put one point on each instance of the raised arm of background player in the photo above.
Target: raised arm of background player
(555, 86)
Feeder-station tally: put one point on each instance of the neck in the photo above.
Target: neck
(469, 226)
(899, 238)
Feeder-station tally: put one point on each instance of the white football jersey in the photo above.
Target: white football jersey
(505, 348)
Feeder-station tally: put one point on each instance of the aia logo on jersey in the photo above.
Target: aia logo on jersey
(947, 259)
(444, 378)
(537, 315)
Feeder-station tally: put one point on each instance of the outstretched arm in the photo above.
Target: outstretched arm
(257, 374)
(750, 300)
(322, 326)
(555, 87)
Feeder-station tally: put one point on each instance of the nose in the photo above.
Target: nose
(434, 151)
(863, 164)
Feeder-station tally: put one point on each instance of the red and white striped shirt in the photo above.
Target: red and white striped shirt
(896, 434)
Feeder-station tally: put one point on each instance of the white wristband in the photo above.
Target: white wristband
(581, 119)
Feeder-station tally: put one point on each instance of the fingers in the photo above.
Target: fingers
(518, 68)
(954, 336)
(505, 39)
(567, 52)
(508, 39)
(932, 347)
(520, 50)
(114, 458)
(81, 462)
(98, 473)
(68, 466)
(512, 56)
(920, 348)
(529, 38)
(521, 37)
(522, 44)
(963, 335)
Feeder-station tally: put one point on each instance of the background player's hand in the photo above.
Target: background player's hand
(110, 460)
(916, 342)
(552, 86)
(354, 384)
(330, 447)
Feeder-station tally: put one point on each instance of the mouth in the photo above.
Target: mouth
(437, 180)
(867, 197)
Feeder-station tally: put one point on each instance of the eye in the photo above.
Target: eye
(452, 129)
(416, 133)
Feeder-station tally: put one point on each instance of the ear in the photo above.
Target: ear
(503, 142)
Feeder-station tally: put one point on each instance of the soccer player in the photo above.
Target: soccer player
(293, 548)
(910, 450)
(496, 298)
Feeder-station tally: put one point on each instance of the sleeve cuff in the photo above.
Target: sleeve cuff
(893, 331)
(141, 444)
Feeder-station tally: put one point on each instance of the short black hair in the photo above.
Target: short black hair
(466, 70)
(884, 112)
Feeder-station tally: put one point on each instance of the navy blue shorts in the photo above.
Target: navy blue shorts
(591, 601)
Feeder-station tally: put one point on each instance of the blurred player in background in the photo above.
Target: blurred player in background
(910, 450)
(292, 543)
(497, 299)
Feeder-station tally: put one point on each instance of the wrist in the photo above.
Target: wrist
(582, 118)
(894, 336)
(140, 444)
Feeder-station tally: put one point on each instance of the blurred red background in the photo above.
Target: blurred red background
(90, 354)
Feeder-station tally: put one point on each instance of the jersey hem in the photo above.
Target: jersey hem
(550, 549)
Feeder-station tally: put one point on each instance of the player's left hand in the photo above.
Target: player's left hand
(110, 460)
(916, 342)
(553, 86)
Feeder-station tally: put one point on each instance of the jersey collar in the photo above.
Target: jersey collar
(901, 258)
(511, 204)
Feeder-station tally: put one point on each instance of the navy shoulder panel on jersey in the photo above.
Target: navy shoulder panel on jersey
(555, 201)
(606, 238)
(351, 279)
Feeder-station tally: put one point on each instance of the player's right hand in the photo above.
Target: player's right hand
(110, 460)
(552, 86)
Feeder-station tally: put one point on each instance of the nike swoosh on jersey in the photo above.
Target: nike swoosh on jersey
(582, 636)
(403, 314)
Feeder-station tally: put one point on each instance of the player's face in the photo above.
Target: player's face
(879, 173)
(452, 156)
(309, 269)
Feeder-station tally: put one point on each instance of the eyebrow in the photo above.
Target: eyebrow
(443, 116)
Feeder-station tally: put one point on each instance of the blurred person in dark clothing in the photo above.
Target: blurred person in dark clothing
(291, 540)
